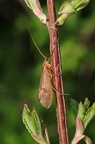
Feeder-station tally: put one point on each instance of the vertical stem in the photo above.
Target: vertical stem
(57, 73)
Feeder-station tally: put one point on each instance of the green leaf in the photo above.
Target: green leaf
(81, 111)
(85, 112)
(83, 108)
(90, 113)
(33, 4)
(74, 106)
(79, 4)
(35, 125)
(26, 118)
(32, 122)
(66, 8)
(60, 20)
(86, 104)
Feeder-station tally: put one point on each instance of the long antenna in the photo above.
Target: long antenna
(36, 45)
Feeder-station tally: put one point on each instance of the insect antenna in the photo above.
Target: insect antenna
(37, 46)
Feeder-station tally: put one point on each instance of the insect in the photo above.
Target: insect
(45, 95)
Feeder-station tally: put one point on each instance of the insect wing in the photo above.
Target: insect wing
(45, 90)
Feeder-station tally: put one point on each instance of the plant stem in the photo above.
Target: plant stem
(57, 73)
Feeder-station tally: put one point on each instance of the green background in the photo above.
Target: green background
(21, 65)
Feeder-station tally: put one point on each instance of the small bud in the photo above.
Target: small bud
(66, 10)
(37, 10)
(79, 4)
(61, 19)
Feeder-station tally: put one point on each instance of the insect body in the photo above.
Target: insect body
(45, 90)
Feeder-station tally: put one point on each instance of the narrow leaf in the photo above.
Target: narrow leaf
(86, 104)
(81, 111)
(26, 118)
(46, 137)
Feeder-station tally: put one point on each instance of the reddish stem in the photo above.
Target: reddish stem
(57, 73)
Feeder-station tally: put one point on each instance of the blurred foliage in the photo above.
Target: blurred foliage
(21, 63)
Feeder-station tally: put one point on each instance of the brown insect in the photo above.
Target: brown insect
(45, 95)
